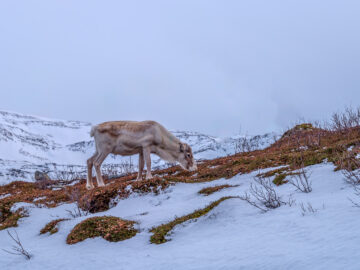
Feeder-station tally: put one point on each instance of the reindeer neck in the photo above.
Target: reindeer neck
(171, 142)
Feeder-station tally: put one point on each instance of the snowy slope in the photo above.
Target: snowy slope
(234, 235)
(29, 143)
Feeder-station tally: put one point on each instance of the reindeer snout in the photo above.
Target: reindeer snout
(193, 168)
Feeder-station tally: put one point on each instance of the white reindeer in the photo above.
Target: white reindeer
(129, 138)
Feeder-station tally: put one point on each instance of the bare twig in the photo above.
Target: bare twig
(78, 211)
(291, 201)
(351, 168)
(345, 120)
(17, 248)
(68, 174)
(357, 194)
(301, 181)
(352, 177)
(246, 144)
(117, 170)
(262, 195)
(307, 209)
(246, 197)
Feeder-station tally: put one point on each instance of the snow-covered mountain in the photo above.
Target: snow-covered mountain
(29, 143)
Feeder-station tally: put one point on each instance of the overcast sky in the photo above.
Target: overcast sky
(208, 66)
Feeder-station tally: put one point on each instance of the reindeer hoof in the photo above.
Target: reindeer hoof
(89, 187)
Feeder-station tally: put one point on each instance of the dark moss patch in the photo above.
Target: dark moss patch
(10, 219)
(314, 159)
(304, 126)
(210, 190)
(52, 226)
(160, 232)
(274, 172)
(110, 228)
(297, 128)
(98, 200)
(280, 179)
(154, 185)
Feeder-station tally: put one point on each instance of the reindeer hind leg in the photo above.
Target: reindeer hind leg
(90, 163)
(97, 164)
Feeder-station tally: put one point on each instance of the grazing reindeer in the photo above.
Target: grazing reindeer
(129, 138)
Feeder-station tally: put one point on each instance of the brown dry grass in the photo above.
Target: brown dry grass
(160, 232)
(210, 190)
(10, 219)
(301, 145)
(93, 201)
(52, 226)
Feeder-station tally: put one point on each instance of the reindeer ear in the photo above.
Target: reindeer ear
(181, 147)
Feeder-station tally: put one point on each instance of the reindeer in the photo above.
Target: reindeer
(129, 138)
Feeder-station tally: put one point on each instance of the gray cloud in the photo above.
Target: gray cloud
(210, 66)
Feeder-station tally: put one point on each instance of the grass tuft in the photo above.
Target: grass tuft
(160, 232)
(110, 228)
(280, 179)
(210, 190)
(52, 226)
(10, 219)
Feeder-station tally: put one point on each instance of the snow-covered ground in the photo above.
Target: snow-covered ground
(234, 235)
(30, 143)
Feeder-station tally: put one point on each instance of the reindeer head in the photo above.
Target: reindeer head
(186, 158)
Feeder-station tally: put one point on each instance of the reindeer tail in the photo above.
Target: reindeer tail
(92, 132)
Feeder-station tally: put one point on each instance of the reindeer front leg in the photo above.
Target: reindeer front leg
(147, 157)
(141, 165)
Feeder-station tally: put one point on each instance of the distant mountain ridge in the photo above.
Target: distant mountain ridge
(30, 143)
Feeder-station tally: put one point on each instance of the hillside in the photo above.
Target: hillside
(218, 217)
(29, 143)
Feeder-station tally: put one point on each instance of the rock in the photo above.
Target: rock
(41, 176)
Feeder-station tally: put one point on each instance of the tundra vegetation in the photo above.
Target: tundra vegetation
(110, 228)
(210, 190)
(160, 232)
(52, 226)
(301, 146)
